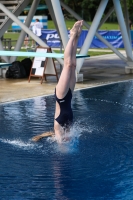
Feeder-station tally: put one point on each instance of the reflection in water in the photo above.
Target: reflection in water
(96, 164)
(58, 181)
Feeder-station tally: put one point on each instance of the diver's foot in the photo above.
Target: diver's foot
(80, 28)
(75, 29)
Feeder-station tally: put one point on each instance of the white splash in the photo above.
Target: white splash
(70, 144)
(18, 143)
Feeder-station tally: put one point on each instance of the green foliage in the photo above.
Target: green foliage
(130, 8)
(42, 2)
(83, 8)
(88, 8)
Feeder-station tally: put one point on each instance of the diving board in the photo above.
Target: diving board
(37, 54)
(43, 66)
(3, 65)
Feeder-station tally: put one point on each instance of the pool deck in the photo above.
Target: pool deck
(98, 70)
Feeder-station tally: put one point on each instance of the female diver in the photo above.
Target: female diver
(64, 89)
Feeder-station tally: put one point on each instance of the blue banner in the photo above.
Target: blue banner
(113, 37)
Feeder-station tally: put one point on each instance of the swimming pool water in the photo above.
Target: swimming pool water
(97, 164)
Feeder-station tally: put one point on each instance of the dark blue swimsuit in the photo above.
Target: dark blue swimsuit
(65, 117)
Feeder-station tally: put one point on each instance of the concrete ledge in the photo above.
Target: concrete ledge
(95, 72)
(3, 72)
(79, 78)
(129, 69)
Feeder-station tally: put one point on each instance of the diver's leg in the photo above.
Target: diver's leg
(73, 76)
(65, 77)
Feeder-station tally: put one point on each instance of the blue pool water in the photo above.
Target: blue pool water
(97, 164)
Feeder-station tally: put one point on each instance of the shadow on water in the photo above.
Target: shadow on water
(96, 164)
